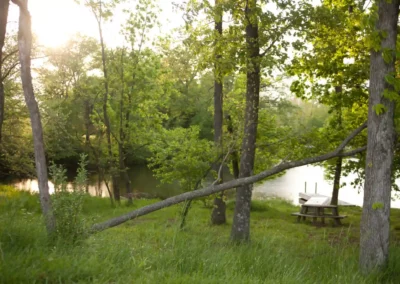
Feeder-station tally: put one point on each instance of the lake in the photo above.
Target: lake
(286, 186)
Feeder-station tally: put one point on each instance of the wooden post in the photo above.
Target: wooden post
(316, 185)
(305, 187)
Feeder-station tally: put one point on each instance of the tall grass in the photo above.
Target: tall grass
(152, 249)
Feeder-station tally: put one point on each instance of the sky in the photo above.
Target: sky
(55, 21)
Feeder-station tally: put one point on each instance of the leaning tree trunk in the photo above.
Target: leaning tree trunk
(25, 45)
(3, 27)
(212, 189)
(375, 225)
(218, 216)
(241, 219)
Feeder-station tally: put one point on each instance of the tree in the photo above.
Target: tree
(334, 70)
(25, 46)
(218, 215)
(241, 219)
(3, 28)
(101, 11)
(384, 88)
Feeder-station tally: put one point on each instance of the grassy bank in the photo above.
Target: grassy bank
(151, 249)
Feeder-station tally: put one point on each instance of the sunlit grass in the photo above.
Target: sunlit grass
(152, 249)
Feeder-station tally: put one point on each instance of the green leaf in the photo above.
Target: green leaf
(387, 55)
(379, 108)
(377, 205)
(391, 95)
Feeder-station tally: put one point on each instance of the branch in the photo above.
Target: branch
(15, 51)
(228, 185)
(9, 71)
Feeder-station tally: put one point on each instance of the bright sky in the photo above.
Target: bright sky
(55, 21)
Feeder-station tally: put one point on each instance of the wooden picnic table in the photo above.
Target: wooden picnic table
(318, 211)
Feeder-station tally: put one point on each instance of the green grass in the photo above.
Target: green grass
(151, 249)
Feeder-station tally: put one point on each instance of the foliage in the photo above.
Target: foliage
(67, 204)
(180, 156)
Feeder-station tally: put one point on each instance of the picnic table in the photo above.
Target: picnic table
(318, 211)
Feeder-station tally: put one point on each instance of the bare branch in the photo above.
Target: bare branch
(228, 185)
(15, 51)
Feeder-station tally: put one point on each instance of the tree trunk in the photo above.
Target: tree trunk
(339, 161)
(241, 219)
(111, 162)
(121, 150)
(87, 123)
(25, 45)
(336, 181)
(218, 216)
(235, 156)
(375, 225)
(231, 184)
(3, 28)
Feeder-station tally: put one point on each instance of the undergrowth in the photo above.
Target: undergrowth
(152, 249)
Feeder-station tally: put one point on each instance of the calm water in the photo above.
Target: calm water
(287, 186)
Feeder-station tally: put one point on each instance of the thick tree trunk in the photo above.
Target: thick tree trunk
(25, 45)
(241, 219)
(218, 216)
(336, 181)
(375, 225)
(231, 184)
(3, 28)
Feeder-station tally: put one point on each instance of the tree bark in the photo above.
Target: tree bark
(375, 225)
(218, 216)
(241, 219)
(4, 4)
(25, 46)
(339, 161)
(231, 184)
(234, 155)
(336, 181)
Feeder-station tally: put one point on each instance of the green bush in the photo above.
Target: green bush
(68, 204)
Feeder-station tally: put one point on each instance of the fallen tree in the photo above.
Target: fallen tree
(231, 184)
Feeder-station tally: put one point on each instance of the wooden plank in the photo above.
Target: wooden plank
(320, 216)
(319, 206)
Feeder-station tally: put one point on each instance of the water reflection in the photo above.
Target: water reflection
(287, 186)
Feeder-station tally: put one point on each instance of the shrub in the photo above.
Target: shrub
(68, 204)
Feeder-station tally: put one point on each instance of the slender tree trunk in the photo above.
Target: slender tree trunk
(87, 123)
(121, 150)
(375, 225)
(218, 215)
(3, 28)
(241, 219)
(234, 155)
(25, 45)
(339, 161)
(336, 181)
(111, 162)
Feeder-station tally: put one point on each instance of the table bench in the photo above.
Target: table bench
(318, 211)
